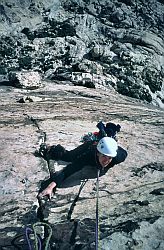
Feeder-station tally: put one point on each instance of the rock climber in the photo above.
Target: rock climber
(102, 155)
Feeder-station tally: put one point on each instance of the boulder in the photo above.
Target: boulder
(26, 99)
(25, 79)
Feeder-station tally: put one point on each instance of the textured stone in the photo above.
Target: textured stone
(130, 194)
(124, 39)
(25, 79)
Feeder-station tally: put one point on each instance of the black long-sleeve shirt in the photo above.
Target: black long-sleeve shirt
(85, 154)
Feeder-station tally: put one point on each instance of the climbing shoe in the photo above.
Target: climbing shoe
(43, 151)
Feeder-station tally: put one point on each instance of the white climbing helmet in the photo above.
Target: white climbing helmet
(107, 146)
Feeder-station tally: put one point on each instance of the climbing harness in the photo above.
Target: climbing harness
(97, 214)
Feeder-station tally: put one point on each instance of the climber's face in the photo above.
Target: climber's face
(104, 160)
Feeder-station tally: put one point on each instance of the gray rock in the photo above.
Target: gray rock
(130, 194)
(124, 38)
(25, 99)
(25, 79)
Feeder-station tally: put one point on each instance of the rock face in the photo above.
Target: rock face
(74, 63)
(119, 43)
(130, 207)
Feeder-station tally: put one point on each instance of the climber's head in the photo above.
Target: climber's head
(107, 149)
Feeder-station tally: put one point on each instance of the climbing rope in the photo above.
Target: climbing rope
(97, 214)
(36, 237)
(35, 234)
(27, 232)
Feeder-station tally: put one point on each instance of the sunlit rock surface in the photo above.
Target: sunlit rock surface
(131, 205)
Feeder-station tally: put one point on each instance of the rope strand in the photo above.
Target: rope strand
(49, 236)
(97, 214)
